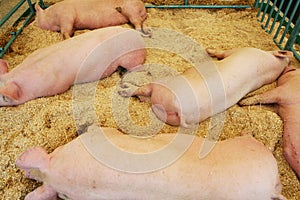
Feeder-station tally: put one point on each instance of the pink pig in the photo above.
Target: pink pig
(186, 99)
(287, 96)
(239, 168)
(67, 15)
(54, 69)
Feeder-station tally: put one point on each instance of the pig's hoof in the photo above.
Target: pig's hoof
(211, 52)
(42, 192)
(146, 32)
(125, 92)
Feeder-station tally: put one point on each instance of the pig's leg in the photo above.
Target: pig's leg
(3, 66)
(33, 158)
(136, 21)
(143, 92)
(66, 28)
(43, 192)
(220, 54)
(272, 96)
(138, 24)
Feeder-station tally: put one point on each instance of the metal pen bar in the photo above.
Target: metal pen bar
(30, 6)
(11, 12)
(199, 6)
(18, 32)
(260, 8)
(265, 11)
(270, 15)
(282, 21)
(276, 17)
(296, 54)
(256, 3)
(294, 35)
(289, 22)
(15, 35)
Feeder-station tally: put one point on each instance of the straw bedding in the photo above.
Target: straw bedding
(50, 122)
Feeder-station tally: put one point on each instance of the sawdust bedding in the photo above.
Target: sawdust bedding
(49, 122)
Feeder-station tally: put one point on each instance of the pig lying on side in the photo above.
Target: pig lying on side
(287, 96)
(239, 168)
(185, 99)
(52, 70)
(67, 15)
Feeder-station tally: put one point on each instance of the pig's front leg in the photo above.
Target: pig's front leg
(43, 192)
(33, 161)
(66, 28)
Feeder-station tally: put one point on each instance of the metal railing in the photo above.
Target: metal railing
(282, 20)
(186, 4)
(14, 34)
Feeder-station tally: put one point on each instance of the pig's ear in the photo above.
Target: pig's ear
(37, 7)
(10, 92)
(3, 66)
(283, 54)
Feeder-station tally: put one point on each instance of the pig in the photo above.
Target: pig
(186, 100)
(68, 15)
(238, 168)
(85, 58)
(287, 97)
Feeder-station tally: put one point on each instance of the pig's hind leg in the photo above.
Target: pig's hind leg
(33, 158)
(43, 192)
(219, 53)
(66, 28)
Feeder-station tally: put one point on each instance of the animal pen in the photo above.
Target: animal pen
(265, 24)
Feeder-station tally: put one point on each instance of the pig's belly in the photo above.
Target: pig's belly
(94, 20)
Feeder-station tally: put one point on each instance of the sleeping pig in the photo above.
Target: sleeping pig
(239, 168)
(67, 15)
(287, 96)
(52, 70)
(186, 99)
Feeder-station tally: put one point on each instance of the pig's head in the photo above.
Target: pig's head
(44, 20)
(165, 105)
(173, 101)
(283, 57)
(10, 93)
